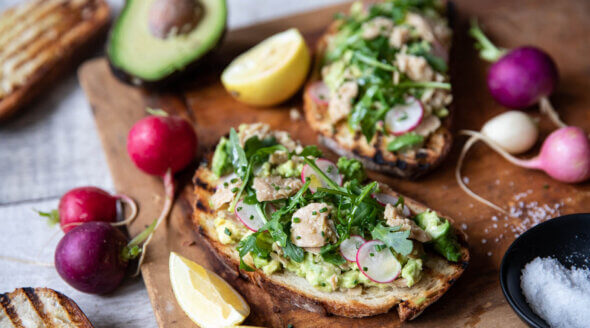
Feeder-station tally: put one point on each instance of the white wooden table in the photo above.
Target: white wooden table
(53, 147)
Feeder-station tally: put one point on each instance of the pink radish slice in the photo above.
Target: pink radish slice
(350, 246)
(249, 216)
(378, 265)
(404, 118)
(385, 199)
(320, 93)
(329, 168)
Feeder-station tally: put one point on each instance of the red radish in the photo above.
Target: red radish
(385, 199)
(249, 215)
(404, 118)
(320, 93)
(326, 166)
(377, 262)
(565, 155)
(350, 246)
(93, 256)
(87, 204)
(161, 145)
(520, 77)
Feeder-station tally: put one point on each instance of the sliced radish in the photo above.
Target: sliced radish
(249, 216)
(385, 199)
(329, 168)
(404, 118)
(350, 246)
(378, 265)
(320, 93)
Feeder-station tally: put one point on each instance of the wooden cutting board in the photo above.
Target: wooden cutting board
(476, 299)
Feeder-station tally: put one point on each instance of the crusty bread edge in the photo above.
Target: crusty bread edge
(394, 166)
(405, 309)
(83, 37)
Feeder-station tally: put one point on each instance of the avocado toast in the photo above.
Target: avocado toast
(296, 224)
(379, 90)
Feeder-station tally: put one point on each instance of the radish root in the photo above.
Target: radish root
(466, 189)
(546, 108)
(25, 261)
(132, 206)
(169, 200)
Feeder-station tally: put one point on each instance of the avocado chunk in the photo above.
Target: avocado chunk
(221, 164)
(154, 40)
(443, 237)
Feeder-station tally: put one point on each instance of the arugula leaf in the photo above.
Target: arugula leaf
(333, 257)
(321, 173)
(394, 238)
(312, 151)
(295, 253)
(254, 144)
(405, 141)
(237, 154)
(256, 244)
(352, 169)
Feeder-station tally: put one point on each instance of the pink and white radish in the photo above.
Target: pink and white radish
(385, 199)
(520, 77)
(564, 156)
(161, 145)
(404, 118)
(320, 93)
(249, 215)
(377, 262)
(328, 167)
(350, 246)
(88, 204)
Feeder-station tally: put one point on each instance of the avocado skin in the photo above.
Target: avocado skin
(169, 80)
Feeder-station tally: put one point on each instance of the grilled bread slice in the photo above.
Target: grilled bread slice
(40, 307)
(438, 275)
(375, 156)
(39, 41)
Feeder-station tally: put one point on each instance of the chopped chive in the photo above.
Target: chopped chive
(234, 180)
(314, 213)
(277, 188)
(225, 184)
(296, 220)
(251, 217)
(365, 269)
(372, 254)
(235, 189)
(239, 208)
(323, 210)
(323, 234)
(298, 237)
(227, 232)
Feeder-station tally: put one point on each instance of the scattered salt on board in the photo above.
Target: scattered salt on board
(559, 295)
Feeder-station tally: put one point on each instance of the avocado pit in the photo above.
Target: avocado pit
(168, 18)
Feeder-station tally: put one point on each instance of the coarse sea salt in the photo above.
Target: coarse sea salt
(559, 295)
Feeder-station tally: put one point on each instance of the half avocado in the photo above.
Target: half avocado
(153, 40)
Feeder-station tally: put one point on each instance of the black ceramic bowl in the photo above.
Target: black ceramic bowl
(565, 238)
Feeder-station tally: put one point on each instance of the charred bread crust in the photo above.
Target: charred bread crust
(79, 41)
(69, 313)
(322, 302)
(374, 155)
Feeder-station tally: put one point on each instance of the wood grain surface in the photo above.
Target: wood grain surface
(475, 300)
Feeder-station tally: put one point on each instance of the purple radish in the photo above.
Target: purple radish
(350, 246)
(377, 262)
(385, 199)
(320, 93)
(87, 204)
(404, 118)
(249, 215)
(520, 77)
(326, 166)
(161, 145)
(93, 256)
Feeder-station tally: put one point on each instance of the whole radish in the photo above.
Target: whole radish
(564, 155)
(520, 77)
(161, 145)
(93, 257)
(87, 204)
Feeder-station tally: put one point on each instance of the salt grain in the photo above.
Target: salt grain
(466, 180)
(483, 241)
(559, 295)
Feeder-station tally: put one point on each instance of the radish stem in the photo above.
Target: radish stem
(169, 200)
(547, 109)
(132, 206)
(487, 49)
(466, 189)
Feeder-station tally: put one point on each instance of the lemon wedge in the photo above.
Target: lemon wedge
(206, 298)
(270, 72)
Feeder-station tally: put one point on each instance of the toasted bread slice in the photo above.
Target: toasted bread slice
(374, 155)
(39, 41)
(438, 274)
(40, 307)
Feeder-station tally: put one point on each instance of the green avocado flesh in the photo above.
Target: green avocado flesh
(135, 51)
